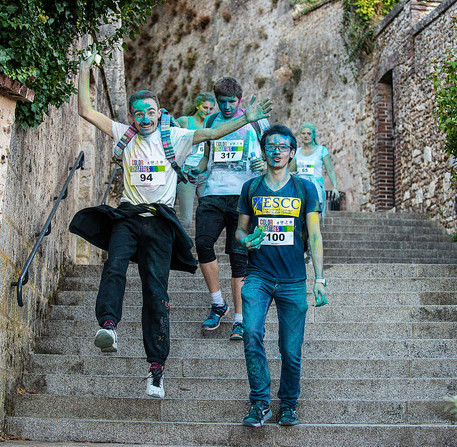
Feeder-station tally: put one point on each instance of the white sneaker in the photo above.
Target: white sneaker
(154, 384)
(106, 339)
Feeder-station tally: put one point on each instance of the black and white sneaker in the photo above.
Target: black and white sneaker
(259, 413)
(154, 381)
(106, 337)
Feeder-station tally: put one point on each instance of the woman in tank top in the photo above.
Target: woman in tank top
(185, 193)
(309, 162)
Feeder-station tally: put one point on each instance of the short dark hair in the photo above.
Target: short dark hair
(203, 97)
(142, 94)
(278, 129)
(228, 86)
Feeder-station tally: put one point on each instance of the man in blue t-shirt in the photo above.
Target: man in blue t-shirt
(277, 214)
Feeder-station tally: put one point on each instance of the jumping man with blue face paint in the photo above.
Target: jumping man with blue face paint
(144, 227)
(276, 212)
(230, 161)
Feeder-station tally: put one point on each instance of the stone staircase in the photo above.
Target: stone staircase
(378, 359)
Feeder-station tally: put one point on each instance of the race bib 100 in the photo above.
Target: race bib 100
(228, 150)
(278, 231)
(305, 168)
(147, 172)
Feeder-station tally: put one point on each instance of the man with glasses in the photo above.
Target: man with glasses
(277, 214)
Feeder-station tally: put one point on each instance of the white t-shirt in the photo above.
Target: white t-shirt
(148, 175)
(311, 165)
(228, 164)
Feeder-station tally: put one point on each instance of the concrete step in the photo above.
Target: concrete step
(341, 285)
(392, 245)
(224, 348)
(202, 298)
(329, 236)
(343, 331)
(358, 271)
(213, 434)
(355, 259)
(390, 389)
(227, 411)
(339, 314)
(236, 367)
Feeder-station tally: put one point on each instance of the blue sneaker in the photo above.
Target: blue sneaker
(237, 331)
(214, 318)
(259, 413)
(288, 416)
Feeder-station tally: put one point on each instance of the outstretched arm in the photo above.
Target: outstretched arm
(332, 176)
(252, 113)
(85, 108)
(317, 252)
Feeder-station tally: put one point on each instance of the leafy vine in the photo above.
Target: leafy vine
(37, 44)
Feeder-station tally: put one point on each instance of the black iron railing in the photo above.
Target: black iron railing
(24, 276)
(109, 183)
(335, 204)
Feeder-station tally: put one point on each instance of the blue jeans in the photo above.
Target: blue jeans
(290, 299)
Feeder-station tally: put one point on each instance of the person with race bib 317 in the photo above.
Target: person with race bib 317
(230, 161)
(278, 212)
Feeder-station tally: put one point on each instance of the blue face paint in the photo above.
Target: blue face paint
(146, 115)
(228, 105)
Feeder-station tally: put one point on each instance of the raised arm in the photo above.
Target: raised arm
(85, 108)
(252, 113)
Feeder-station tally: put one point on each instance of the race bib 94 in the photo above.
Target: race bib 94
(228, 150)
(147, 172)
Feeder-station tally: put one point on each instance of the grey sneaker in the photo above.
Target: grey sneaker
(259, 413)
(106, 337)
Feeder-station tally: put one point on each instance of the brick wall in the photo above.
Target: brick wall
(385, 156)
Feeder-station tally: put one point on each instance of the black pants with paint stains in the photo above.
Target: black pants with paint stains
(151, 238)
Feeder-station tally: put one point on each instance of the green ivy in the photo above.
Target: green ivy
(359, 20)
(444, 78)
(36, 44)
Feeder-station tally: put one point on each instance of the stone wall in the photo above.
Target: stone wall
(34, 170)
(407, 43)
(300, 61)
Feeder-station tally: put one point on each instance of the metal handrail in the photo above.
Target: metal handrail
(109, 183)
(24, 276)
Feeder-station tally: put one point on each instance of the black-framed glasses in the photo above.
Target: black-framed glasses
(279, 147)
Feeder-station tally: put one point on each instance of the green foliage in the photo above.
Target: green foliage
(36, 44)
(359, 20)
(444, 78)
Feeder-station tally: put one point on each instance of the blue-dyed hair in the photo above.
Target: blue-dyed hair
(313, 130)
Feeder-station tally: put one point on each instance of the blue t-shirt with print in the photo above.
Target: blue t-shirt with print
(281, 256)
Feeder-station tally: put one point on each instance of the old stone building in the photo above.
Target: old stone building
(300, 61)
(375, 118)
